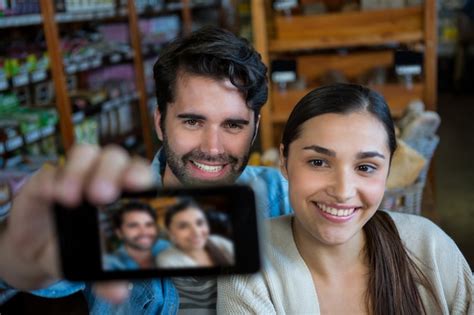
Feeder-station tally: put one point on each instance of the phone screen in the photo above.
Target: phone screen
(177, 231)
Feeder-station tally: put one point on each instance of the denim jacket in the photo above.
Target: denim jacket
(159, 296)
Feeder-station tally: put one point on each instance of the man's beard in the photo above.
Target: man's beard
(133, 243)
(177, 164)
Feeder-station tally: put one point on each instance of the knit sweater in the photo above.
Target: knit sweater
(285, 285)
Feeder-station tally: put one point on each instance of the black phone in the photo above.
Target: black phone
(161, 232)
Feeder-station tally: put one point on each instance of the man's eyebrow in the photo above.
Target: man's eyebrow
(321, 150)
(369, 154)
(237, 121)
(191, 116)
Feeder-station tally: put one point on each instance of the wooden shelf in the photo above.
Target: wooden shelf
(364, 28)
(396, 95)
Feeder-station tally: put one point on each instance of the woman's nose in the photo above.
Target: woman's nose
(342, 187)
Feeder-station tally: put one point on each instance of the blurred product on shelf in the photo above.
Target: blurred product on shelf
(158, 31)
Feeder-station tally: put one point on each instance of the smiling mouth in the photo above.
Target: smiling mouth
(208, 168)
(336, 212)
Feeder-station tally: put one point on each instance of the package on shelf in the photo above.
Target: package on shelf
(126, 118)
(21, 7)
(43, 93)
(78, 6)
(121, 77)
(156, 32)
(149, 5)
(388, 4)
(87, 131)
(149, 80)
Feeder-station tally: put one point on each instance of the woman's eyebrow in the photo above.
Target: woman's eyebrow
(370, 154)
(321, 150)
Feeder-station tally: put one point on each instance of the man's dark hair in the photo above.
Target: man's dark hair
(131, 206)
(215, 53)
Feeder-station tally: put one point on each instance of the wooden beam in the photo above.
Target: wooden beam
(430, 58)
(63, 103)
(260, 40)
(186, 17)
(135, 38)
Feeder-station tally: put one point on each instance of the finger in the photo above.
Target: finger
(115, 292)
(72, 179)
(106, 183)
(37, 193)
(138, 175)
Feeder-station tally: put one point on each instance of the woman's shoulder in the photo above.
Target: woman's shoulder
(417, 227)
(169, 257)
(427, 241)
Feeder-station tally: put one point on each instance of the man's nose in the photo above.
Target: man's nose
(211, 141)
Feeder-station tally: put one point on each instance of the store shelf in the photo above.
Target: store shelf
(351, 29)
(36, 19)
(397, 97)
(175, 7)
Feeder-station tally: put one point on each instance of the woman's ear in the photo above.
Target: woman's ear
(158, 130)
(283, 162)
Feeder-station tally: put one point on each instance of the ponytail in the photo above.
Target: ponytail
(393, 275)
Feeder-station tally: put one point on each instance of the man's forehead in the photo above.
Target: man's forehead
(191, 98)
(134, 214)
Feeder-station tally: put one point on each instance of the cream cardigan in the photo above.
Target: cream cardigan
(285, 286)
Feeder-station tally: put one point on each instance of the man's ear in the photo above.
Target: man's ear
(119, 233)
(283, 168)
(157, 117)
(257, 124)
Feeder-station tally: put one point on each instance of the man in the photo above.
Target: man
(135, 225)
(210, 87)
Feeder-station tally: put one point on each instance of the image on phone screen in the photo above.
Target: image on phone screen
(177, 231)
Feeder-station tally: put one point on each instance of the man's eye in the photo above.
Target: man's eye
(191, 122)
(233, 126)
(317, 163)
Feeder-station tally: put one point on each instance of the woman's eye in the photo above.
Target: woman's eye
(367, 168)
(317, 163)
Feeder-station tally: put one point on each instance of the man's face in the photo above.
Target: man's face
(138, 230)
(207, 132)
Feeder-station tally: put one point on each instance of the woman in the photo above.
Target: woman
(188, 230)
(339, 254)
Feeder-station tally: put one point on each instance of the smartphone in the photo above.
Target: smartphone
(161, 232)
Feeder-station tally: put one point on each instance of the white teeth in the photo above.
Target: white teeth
(208, 168)
(336, 212)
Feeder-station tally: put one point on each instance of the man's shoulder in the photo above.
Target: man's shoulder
(264, 172)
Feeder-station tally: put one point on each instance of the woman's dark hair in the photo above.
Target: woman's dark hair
(182, 205)
(393, 273)
(131, 206)
(215, 53)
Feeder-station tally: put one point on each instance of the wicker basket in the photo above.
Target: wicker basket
(408, 199)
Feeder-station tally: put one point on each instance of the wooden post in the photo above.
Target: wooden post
(430, 91)
(430, 58)
(260, 40)
(186, 16)
(63, 103)
(135, 39)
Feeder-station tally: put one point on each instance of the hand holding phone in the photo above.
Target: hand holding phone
(173, 232)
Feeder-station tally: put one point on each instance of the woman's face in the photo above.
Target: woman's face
(189, 229)
(336, 172)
